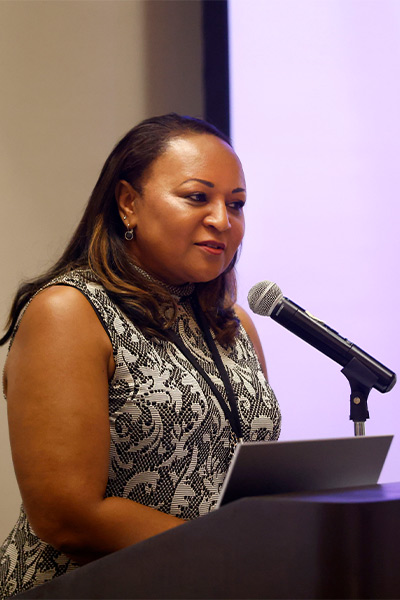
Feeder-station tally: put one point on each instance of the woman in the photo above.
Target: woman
(130, 378)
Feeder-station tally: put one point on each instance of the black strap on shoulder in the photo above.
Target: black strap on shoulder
(230, 410)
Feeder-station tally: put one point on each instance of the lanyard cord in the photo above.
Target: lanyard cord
(230, 411)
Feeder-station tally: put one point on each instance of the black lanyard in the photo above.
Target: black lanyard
(231, 410)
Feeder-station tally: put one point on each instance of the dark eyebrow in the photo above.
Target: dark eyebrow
(207, 183)
(211, 185)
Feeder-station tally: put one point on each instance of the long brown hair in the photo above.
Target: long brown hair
(98, 243)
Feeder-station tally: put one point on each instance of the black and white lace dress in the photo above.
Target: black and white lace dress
(171, 444)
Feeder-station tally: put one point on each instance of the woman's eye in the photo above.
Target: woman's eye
(237, 205)
(197, 197)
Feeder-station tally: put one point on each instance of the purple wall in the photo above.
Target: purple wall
(315, 96)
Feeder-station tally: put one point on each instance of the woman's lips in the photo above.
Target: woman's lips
(212, 246)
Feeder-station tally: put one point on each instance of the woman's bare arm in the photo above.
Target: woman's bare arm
(253, 335)
(56, 381)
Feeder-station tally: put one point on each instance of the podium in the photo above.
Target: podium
(332, 544)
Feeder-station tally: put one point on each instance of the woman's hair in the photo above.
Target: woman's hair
(98, 242)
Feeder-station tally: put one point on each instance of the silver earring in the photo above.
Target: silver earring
(129, 234)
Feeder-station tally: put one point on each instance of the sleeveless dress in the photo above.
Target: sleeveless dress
(171, 444)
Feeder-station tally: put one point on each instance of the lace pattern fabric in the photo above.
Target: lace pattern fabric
(171, 444)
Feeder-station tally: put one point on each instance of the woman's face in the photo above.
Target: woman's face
(188, 219)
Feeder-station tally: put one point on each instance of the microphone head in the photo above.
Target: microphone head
(263, 297)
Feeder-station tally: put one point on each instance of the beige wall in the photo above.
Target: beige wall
(74, 77)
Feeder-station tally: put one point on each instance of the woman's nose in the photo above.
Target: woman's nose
(217, 216)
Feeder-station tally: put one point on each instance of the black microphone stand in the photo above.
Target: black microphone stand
(361, 380)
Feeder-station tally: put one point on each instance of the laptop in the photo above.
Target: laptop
(264, 468)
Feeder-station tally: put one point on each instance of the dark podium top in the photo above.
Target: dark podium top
(334, 544)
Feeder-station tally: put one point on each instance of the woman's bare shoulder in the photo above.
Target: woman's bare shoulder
(59, 319)
(58, 298)
(60, 306)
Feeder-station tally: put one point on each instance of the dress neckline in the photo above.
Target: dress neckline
(179, 291)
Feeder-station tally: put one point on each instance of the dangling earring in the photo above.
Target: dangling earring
(129, 234)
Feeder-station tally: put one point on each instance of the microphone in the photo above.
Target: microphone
(265, 298)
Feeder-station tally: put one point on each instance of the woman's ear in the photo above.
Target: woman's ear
(125, 196)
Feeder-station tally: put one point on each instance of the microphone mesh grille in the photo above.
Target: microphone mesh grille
(263, 297)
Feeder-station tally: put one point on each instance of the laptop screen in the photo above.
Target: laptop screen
(264, 468)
